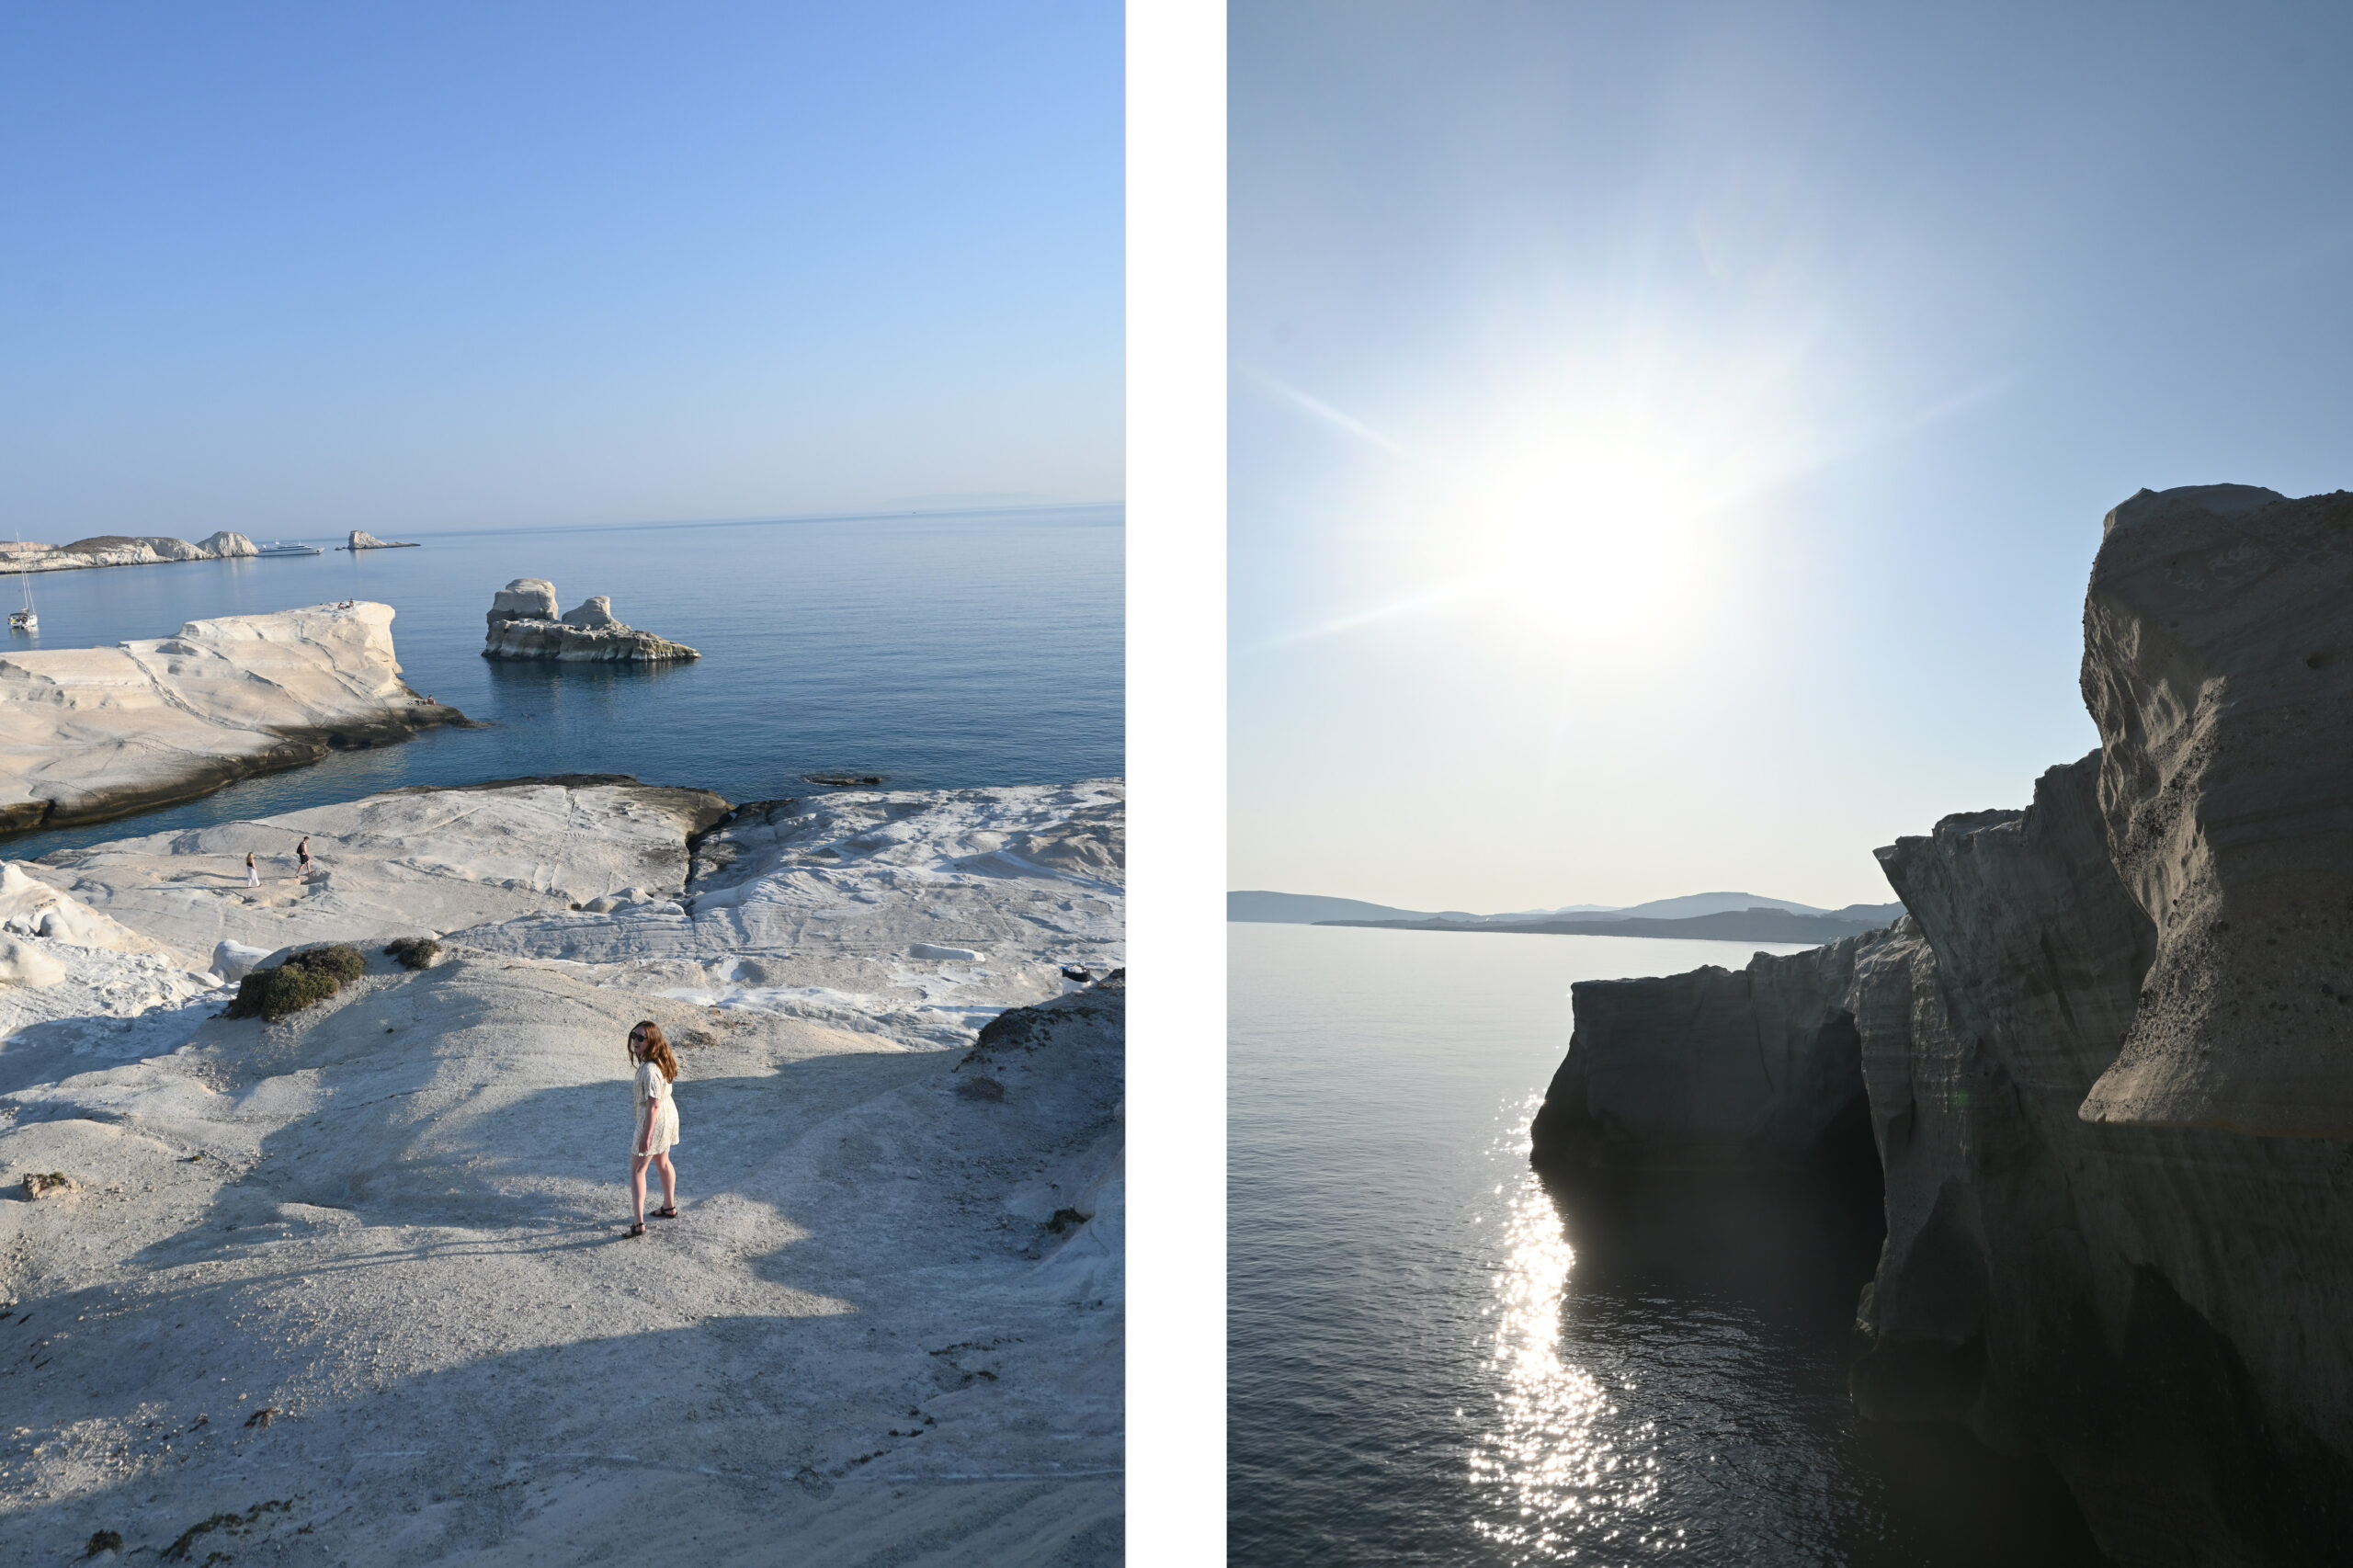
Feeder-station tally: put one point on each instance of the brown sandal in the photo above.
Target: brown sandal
(668, 1211)
(637, 1229)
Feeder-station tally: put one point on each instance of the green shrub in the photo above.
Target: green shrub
(413, 953)
(313, 974)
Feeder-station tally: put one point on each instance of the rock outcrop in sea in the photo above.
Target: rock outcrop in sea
(2107, 1056)
(362, 539)
(124, 549)
(88, 733)
(524, 624)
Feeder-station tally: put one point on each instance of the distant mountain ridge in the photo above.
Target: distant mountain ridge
(1260, 906)
(1761, 923)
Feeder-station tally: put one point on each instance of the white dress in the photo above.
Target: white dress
(652, 1086)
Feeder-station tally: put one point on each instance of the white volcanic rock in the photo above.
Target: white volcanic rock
(123, 550)
(525, 598)
(89, 733)
(362, 539)
(420, 862)
(392, 1220)
(22, 963)
(234, 960)
(2217, 663)
(817, 908)
(523, 624)
(35, 907)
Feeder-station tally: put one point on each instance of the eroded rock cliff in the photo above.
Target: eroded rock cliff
(92, 733)
(2218, 662)
(524, 625)
(2104, 1060)
(1715, 1068)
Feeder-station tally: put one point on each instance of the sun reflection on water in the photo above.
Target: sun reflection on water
(1563, 1475)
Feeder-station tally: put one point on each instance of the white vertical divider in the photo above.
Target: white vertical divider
(1175, 533)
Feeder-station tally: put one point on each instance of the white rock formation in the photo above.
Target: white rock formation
(411, 863)
(362, 539)
(234, 960)
(24, 964)
(33, 907)
(90, 732)
(123, 550)
(525, 598)
(523, 624)
(391, 1221)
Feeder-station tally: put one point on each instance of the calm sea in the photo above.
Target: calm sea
(1433, 1359)
(937, 650)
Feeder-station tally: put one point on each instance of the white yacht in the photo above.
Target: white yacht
(274, 548)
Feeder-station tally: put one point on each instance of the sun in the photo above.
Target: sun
(1587, 534)
(1609, 502)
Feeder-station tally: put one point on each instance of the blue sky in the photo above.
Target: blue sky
(1668, 442)
(294, 268)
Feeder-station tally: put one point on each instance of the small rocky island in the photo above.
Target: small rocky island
(362, 539)
(524, 625)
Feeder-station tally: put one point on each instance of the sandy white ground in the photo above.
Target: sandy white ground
(394, 1220)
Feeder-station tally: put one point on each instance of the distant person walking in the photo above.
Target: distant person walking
(302, 853)
(657, 1123)
(253, 871)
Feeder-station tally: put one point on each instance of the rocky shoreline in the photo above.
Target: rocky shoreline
(91, 734)
(2103, 1059)
(355, 1278)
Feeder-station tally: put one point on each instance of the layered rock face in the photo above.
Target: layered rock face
(2218, 662)
(2153, 1308)
(2082, 1050)
(91, 732)
(524, 625)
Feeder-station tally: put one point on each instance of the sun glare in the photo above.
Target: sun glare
(1605, 502)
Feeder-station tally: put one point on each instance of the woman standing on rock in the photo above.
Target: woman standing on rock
(252, 872)
(657, 1122)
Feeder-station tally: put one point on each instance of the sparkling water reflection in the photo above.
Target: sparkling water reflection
(1434, 1358)
(1559, 1466)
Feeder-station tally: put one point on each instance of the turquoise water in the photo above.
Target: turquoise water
(1435, 1359)
(939, 652)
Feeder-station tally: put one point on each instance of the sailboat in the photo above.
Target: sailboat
(24, 619)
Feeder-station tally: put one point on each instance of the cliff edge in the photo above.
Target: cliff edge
(2105, 1059)
(88, 733)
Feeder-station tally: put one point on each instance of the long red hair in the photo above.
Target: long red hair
(651, 1047)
